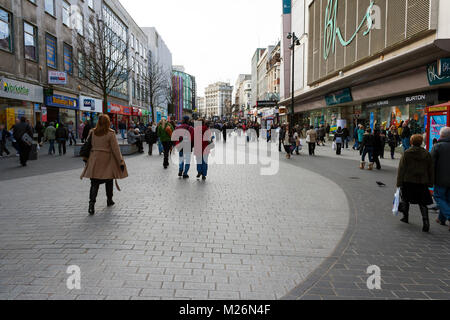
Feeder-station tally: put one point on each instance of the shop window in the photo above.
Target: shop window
(30, 41)
(5, 30)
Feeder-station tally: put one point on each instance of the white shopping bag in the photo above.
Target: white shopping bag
(334, 145)
(396, 202)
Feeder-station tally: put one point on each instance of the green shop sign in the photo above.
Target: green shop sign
(444, 67)
(15, 89)
(433, 77)
(339, 97)
(331, 30)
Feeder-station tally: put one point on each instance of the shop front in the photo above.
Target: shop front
(136, 115)
(19, 99)
(90, 110)
(119, 113)
(62, 108)
(393, 111)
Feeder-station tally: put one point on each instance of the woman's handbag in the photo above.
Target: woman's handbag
(85, 150)
(308, 138)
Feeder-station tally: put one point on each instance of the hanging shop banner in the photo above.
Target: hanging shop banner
(21, 91)
(136, 112)
(118, 109)
(266, 104)
(90, 104)
(287, 6)
(339, 97)
(56, 77)
(44, 114)
(59, 101)
(372, 120)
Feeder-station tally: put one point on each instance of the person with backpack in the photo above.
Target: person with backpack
(105, 162)
(61, 136)
(164, 132)
(23, 134)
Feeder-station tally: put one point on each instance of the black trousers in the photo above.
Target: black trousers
(62, 146)
(3, 148)
(166, 148)
(338, 148)
(311, 147)
(24, 152)
(95, 185)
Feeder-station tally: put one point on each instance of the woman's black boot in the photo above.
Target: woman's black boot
(109, 193)
(93, 197)
(405, 211)
(425, 218)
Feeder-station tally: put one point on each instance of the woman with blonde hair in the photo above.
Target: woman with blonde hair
(105, 162)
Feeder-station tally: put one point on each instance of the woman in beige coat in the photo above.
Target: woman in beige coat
(311, 139)
(105, 162)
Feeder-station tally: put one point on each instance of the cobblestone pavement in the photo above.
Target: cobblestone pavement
(414, 265)
(239, 235)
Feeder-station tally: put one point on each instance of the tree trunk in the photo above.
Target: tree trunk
(105, 103)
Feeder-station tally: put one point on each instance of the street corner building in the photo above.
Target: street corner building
(370, 62)
(43, 71)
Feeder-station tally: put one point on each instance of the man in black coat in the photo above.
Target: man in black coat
(23, 134)
(62, 134)
(86, 129)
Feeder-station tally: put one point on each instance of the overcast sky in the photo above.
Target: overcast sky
(213, 39)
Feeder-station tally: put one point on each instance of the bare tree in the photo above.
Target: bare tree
(103, 62)
(155, 83)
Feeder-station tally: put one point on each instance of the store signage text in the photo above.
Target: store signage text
(339, 97)
(56, 77)
(61, 102)
(15, 89)
(331, 30)
(444, 67)
(433, 77)
(396, 101)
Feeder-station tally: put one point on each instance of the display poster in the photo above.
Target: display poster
(50, 43)
(437, 122)
(44, 114)
(10, 118)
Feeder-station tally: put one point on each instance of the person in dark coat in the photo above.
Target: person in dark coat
(339, 140)
(87, 128)
(378, 147)
(39, 129)
(62, 135)
(23, 130)
(151, 137)
(392, 140)
(441, 161)
(346, 137)
(4, 134)
(367, 147)
(415, 176)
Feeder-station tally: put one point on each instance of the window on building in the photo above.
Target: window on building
(81, 65)
(79, 23)
(51, 48)
(132, 41)
(68, 59)
(66, 13)
(49, 6)
(90, 31)
(91, 4)
(30, 40)
(5, 30)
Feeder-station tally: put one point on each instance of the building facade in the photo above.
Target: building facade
(255, 59)
(378, 64)
(185, 91)
(242, 92)
(218, 96)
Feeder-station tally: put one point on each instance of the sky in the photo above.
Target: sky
(213, 39)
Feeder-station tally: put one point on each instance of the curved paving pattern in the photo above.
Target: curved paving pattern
(237, 236)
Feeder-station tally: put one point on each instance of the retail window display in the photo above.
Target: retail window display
(9, 114)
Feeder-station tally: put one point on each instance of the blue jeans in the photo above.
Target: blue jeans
(369, 151)
(51, 148)
(356, 145)
(185, 162)
(442, 197)
(406, 144)
(160, 147)
(122, 133)
(202, 165)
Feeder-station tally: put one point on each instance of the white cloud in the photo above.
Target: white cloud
(214, 39)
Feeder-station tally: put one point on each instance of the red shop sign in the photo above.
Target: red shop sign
(118, 109)
(137, 112)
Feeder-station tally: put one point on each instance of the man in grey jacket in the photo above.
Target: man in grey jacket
(441, 159)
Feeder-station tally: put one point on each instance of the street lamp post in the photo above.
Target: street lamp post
(295, 42)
